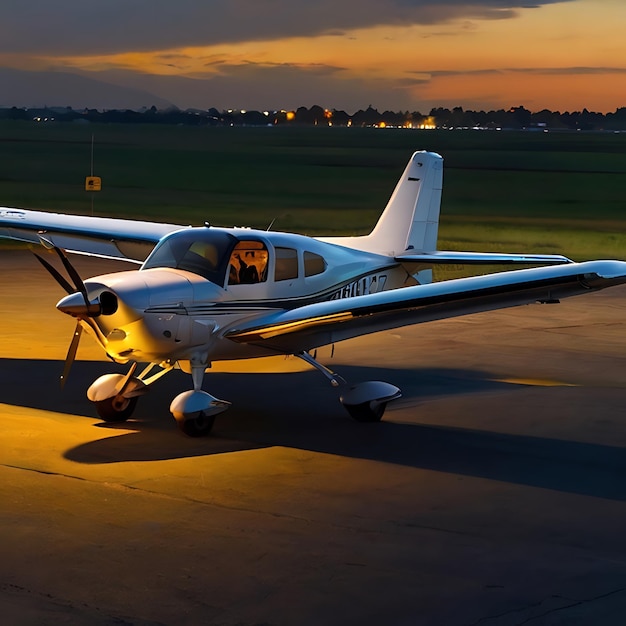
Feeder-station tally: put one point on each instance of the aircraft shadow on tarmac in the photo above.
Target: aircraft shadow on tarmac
(300, 410)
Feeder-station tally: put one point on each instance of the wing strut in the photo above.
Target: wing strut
(335, 379)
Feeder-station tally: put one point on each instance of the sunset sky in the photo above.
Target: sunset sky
(346, 54)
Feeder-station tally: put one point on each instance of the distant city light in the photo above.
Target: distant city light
(428, 123)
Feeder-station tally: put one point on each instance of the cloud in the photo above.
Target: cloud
(269, 86)
(74, 27)
(36, 89)
(423, 75)
(557, 88)
(446, 73)
(569, 71)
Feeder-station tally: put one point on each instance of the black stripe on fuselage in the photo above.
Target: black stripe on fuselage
(238, 306)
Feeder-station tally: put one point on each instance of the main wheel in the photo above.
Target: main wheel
(199, 426)
(116, 409)
(364, 412)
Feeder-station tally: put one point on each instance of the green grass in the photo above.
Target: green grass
(577, 240)
(514, 191)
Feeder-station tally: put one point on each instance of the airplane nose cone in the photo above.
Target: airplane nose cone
(75, 305)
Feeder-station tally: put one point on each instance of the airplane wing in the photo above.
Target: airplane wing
(128, 240)
(480, 258)
(307, 327)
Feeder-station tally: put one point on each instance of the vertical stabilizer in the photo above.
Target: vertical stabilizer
(410, 220)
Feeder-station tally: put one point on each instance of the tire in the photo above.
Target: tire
(199, 426)
(365, 413)
(116, 409)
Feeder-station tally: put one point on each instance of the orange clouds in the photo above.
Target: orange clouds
(559, 90)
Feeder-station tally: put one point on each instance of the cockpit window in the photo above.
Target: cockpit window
(203, 252)
(248, 263)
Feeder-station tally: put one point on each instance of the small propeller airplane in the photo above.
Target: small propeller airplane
(207, 294)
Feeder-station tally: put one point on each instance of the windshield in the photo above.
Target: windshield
(202, 251)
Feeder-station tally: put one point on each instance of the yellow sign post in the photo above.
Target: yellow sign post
(93, 183)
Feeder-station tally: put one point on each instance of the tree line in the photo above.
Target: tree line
(516, 118)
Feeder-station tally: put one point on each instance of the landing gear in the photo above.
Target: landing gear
(372, 409)
(195, 411)
(365, 413)
(199, 426)
(116, 409)
(365, 402)
(115, 395)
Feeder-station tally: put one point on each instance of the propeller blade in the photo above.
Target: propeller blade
(74, 275)
(55, 274)
(71, 354)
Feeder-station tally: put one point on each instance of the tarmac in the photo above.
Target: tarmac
(493, 492)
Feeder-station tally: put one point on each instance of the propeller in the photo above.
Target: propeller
(72, 305)
(76, 303)
(55, 274)
(74, 275)
(71, 353)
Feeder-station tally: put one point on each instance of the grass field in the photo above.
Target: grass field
(514, 191)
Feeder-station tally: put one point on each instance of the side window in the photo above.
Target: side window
(286, 264)
(313, 264)
(248, 263)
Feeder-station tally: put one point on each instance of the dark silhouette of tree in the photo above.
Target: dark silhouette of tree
(340, 118)
(520, 117)
(17, 114)
(514, 118)
(616, 120)
(369, 117)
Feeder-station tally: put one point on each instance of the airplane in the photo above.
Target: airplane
(207, 294)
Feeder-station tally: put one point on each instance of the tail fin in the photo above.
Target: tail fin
(410, 220)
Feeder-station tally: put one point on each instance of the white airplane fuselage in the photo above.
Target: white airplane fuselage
(171, 313)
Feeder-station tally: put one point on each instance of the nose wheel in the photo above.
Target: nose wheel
(115, 395)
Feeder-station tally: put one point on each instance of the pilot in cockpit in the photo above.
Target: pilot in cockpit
(248, 263)
(248, 274)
